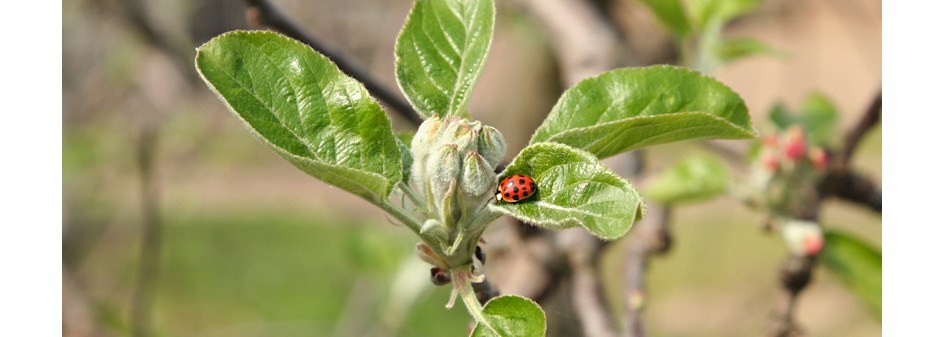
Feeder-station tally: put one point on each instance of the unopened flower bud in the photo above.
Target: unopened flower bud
(795, 147)
(423, 142)
(443, 167)
(804, 238)
(440, 276)
(477, 184)
(466, 135)
(818, 158)
(771, 141)
(443, 171)
(478, 178)
(428, 255)
(770, 161)
(813, 244)
(491, 146)
(436, 229)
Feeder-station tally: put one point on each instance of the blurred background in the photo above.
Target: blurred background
(177, 219)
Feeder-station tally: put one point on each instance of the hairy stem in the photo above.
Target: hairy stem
(463, 286)
(411, 195)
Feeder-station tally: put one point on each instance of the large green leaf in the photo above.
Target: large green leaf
(630, 108)
(858, 264)
(440, 53)
(574, 189)
(308, 111)
(512, 316)
(671, 14)
(695, 178)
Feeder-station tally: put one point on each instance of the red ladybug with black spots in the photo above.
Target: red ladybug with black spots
(515, 188)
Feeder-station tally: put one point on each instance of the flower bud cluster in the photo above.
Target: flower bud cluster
(786, 176)
(790, 151)
(453, 172)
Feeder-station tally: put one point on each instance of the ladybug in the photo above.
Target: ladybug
(515, 188)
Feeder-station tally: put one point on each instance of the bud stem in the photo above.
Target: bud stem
(412, 196)
(412, 223)
(461, 284)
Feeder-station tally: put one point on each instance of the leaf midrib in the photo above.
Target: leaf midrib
(216, 63)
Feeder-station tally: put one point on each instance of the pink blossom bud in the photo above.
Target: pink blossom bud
(770, 161)
(813, 244)
(803, 238)
(770, 141)
(818, 157)
(794, 147)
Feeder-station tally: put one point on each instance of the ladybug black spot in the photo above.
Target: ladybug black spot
(521, 181)
(508, 195)
(514, 189)
(515, 197)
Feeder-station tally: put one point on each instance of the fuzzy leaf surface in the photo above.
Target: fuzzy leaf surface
(512, 316)
(858, 264)
(574, 189)
(440, 53)
(298, 102)
(630, 108)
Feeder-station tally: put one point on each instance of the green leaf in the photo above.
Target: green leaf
(440, 53)
(512, 316)
(574, 189)
(818, 116)
(858, 264)
(695, 178)
(671, 14)
(780, 116)
(733, 49)
(308, 111)
(630, 108)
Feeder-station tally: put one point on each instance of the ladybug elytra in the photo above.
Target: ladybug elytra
(515, 188)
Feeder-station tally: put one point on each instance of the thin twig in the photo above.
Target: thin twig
(649, 236)
(729, 153)
(853, 187)
(584, 41)
(842, 181)
(587, 294)
(795, 274)
(264, 13)
(870, 118)
(585, 44)
(135, 14)
(149, 258)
